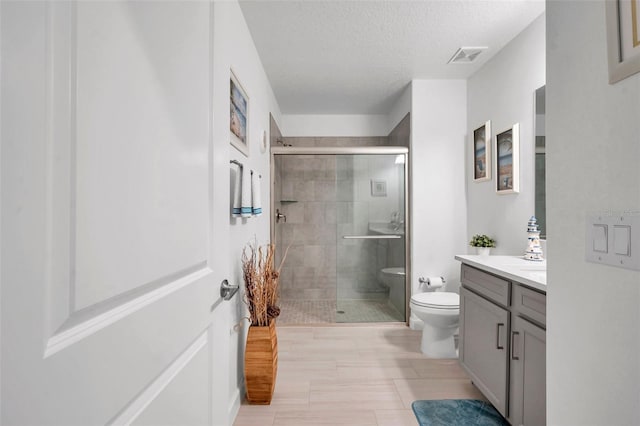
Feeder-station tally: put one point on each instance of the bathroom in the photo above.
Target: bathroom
(441, 192)
(117, 169)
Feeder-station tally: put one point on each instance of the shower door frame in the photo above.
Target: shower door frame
(372, 150)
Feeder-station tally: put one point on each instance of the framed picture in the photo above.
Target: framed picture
(623, 38)
(507, 161)
(239, 116)
(482, 153)
(378, 188)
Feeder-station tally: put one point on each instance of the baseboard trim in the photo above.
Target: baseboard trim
(236, 401)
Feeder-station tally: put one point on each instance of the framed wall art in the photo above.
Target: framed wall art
(239, 116)
(508, 161)
(378, 188)
(482, 153)
(623, 38)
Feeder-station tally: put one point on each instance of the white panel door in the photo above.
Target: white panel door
(109, 287)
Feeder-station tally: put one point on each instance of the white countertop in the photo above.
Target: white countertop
(531, 274)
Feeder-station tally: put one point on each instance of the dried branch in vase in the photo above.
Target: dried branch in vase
(261, 280)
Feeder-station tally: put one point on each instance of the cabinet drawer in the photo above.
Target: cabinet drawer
(530, 303)
(490, 286)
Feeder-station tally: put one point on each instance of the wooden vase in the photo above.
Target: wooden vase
(261, 363)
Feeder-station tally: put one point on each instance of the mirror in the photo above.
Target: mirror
(540, 168)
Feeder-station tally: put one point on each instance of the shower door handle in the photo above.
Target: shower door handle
(371, 237)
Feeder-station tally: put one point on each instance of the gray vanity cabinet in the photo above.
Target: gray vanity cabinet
(528, 364)
(502, 344)
(527, 389)
(483, 347)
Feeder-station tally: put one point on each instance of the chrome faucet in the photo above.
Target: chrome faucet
(280, 216)
(396, 222)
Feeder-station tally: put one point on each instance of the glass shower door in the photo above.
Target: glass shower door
(371, 249)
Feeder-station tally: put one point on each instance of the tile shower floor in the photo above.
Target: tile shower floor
(329, 311)
(357, 375)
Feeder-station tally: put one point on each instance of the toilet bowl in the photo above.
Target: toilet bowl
(394, 279)
(440, 313)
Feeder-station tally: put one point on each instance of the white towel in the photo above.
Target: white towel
(256, 204)
(235, 208)
(245, 203)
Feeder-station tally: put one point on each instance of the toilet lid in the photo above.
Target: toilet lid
(437, 299)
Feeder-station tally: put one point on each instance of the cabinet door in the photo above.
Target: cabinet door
(527, 399)
(484, 346)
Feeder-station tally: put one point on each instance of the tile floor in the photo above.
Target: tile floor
(356, 375)
(298, 312)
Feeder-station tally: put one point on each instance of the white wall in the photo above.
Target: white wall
(400, 109)
(234, 49)
(593, 311)
(503, 91)
(294, 125)
(438, 207)
(347, 125)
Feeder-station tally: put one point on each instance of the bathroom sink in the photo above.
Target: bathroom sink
(385, 228)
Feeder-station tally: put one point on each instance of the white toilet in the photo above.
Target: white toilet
(440, 312)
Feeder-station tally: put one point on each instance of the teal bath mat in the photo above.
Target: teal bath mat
(457, 412)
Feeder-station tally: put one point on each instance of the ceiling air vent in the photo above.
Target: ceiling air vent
(466, 55)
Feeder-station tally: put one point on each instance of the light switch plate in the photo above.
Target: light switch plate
(613, 238)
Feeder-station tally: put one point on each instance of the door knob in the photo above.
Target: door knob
(227, 291)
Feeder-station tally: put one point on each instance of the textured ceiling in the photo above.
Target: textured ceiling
(356, 57)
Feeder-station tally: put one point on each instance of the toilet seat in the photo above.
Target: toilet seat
(437, 300)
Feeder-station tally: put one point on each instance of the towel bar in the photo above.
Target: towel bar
(239, 164)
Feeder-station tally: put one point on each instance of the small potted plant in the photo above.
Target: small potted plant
(482, 243)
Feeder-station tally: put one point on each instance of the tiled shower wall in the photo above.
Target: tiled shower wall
(308, 199)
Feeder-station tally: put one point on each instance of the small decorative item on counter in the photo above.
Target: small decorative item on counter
(534, 249)
(482, 243)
